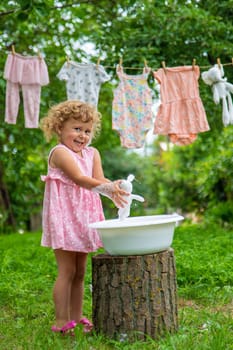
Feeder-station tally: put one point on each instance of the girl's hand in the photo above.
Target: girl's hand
(113, 191)
(119, 194)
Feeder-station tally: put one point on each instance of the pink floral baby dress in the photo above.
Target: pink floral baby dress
(132, 108)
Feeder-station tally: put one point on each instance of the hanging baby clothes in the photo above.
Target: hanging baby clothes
(221, 91)
(27, 73)
(83, 81)
(132, 108)
(181, 114)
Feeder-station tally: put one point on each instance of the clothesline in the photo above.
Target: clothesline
(152, 69)
(139, 68)
(163, 64)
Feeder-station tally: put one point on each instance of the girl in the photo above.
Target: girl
(71, 201)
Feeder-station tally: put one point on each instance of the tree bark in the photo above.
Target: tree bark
(5, 203)
(135, 296)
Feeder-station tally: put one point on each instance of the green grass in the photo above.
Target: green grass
(204, 259)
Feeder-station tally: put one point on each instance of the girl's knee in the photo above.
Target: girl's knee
(79, 275)
(67, 272)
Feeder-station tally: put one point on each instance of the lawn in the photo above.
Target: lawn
(204, 259)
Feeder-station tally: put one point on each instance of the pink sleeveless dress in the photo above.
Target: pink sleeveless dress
(181, 114)
(68, 208)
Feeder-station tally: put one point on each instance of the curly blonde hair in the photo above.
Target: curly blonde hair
(63, 111)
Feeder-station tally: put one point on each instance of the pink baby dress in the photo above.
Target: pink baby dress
(181, 114)
(68, 209)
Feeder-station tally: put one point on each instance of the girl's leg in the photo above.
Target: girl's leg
(77, 290)
(66, 263)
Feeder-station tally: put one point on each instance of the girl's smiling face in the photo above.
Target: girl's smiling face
(75, 134)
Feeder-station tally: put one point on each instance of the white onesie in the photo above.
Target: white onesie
(83, 81)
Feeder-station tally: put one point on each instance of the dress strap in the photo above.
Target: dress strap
(59, 146)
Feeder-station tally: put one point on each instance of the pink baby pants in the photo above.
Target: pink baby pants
(26, 73)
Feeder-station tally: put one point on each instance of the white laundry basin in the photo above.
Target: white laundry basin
(137, 235)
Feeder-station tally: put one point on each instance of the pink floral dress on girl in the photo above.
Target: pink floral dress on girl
(131, 110)
(68, 209)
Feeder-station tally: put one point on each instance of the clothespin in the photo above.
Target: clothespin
(98, 63)
(39, 55)
(13, 49)
(219, 63)
(164, 66)
(194, 63)
(68, 60)
(120, 64)
(146, 66)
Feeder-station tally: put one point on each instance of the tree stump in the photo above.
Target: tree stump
(134, 296)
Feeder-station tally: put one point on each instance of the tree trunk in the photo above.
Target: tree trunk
(134, 296)
(5, 203)
(35, 221)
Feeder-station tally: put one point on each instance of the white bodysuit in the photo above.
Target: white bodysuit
(83, 81)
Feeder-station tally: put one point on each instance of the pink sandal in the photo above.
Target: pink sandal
(67, 328)
(87, 325)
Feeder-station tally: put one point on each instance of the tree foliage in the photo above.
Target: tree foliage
(191, 177)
